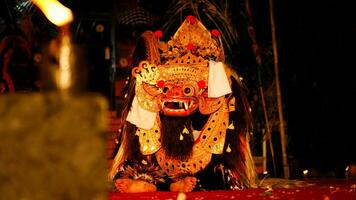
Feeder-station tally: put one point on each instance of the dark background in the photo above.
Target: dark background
(316, 47)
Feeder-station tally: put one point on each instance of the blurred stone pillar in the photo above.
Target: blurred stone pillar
(52, 146)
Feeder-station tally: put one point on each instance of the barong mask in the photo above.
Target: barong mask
(186, 76)
(176, 85)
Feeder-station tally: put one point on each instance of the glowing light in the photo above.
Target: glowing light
(55, 12)
(347, 172)
(305, 172)
(61, 16)
(144, 162)
(181, 196)
(99, 28)
(64, 73)
(265, 172)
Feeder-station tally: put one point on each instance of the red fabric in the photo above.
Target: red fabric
(322, 190)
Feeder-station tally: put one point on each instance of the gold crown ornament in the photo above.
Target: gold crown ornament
(193, 37)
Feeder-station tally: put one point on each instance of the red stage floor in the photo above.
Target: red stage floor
(312, 189)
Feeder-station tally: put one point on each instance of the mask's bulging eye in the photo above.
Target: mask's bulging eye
(165, 89)
(188, 91)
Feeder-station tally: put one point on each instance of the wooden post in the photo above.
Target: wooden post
(278, 93)
(264, 155)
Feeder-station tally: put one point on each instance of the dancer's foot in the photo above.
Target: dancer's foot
(186, 184)
(133, 186)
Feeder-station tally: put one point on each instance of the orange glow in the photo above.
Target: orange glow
(64, 73)
(55, 12)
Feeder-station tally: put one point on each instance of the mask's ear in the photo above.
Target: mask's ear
(218, 83)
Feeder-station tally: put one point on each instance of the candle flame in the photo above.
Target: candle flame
(55, 12)
(305, 172)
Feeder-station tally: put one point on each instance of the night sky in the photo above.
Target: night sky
(316, 46)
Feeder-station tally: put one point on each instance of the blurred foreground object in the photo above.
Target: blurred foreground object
(53, 146)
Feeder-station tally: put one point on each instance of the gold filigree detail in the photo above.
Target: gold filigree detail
(197, 162)
(213, 135)
(188, 67)
(189, 59)
(145, 100)
(197, 35)
(149, 139)
(146, 72)
(231, 126)
(231, 104)
(210, 105)
(228, 149)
